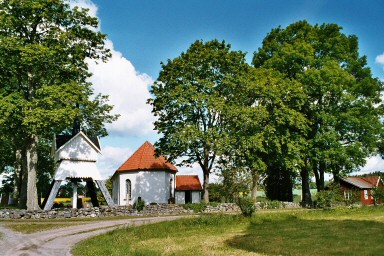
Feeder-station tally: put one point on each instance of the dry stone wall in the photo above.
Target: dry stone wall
(149, 210)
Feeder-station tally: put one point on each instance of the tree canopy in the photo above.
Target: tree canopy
(342, 103)
(190, 99)
(44, 48)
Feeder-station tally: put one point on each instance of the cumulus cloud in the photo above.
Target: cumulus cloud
(111, 159)
(128, 91)
(374, 164)
(85, 4)
(380, 59)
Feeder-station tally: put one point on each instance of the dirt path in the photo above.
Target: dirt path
(60, 241)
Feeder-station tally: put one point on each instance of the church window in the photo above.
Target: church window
(128, 187)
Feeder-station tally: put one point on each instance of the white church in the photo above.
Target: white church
(153, 179)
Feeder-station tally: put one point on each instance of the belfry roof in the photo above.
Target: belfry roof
(145, 159)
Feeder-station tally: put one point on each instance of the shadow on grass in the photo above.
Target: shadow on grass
(293, 236)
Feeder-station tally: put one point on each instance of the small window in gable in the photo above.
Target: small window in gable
(128, 187)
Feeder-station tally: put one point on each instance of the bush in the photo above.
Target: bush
(196, 207)
(378, 195)
(246, 205)
(139, 205)
(329, 198)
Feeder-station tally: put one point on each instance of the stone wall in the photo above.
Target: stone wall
(149, 210)
(276, 205)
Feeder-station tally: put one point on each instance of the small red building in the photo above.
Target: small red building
(363, 185)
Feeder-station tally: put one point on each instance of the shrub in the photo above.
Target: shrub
(246, 205)
(139, 205)
(378, 195)
(329, 198)
(274, 204)
(196, 207)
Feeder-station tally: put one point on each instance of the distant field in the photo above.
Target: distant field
(313, 232)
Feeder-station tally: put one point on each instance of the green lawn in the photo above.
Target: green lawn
(317, 232)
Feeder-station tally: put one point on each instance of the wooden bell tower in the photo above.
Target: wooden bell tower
(76, 156)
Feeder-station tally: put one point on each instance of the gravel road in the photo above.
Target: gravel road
(61, 240)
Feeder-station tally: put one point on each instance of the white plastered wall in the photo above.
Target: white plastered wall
(196, 198)
(179, 197)
(151, 186)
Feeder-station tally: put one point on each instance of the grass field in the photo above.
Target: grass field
(358, 231)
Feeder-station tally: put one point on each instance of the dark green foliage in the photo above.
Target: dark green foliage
(198, 207)
(139, 205)
(271, 204)
(191, 97)
(246, 205)
(331, 197)
(216, 193)
(279, 185)
(44, 49)
(342, 103)
(378, 194)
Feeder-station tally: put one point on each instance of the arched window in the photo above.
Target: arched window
(128, 187)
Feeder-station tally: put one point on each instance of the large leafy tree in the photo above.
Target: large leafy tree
(342, 97)
(190, 100)
(44, 46)
(266, 132)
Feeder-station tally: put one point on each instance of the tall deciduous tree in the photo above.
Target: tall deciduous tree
(342, 97)
(266, 131)
(44, 46)
(190, 97)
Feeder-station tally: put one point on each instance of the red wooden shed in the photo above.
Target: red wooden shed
(362, 184)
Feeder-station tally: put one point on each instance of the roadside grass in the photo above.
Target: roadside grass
(29, 226)
(356, 231)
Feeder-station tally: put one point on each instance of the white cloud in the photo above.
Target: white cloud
(380, 59)
(86, 4)
(111, 159)
(374, 164)
(127, 88)
(128, 91)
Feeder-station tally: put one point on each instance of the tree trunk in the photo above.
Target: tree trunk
(23, 181)
(17, 177)
(255, 180)
(306, 192)
(322, 168)
(206, 187)
(31, 153)
(317, 175)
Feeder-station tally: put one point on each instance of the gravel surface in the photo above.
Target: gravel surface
(61, 240)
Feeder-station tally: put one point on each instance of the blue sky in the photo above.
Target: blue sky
(143, 33)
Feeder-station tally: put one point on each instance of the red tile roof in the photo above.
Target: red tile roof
(144, 159)
(363, 182)
(188, 182)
